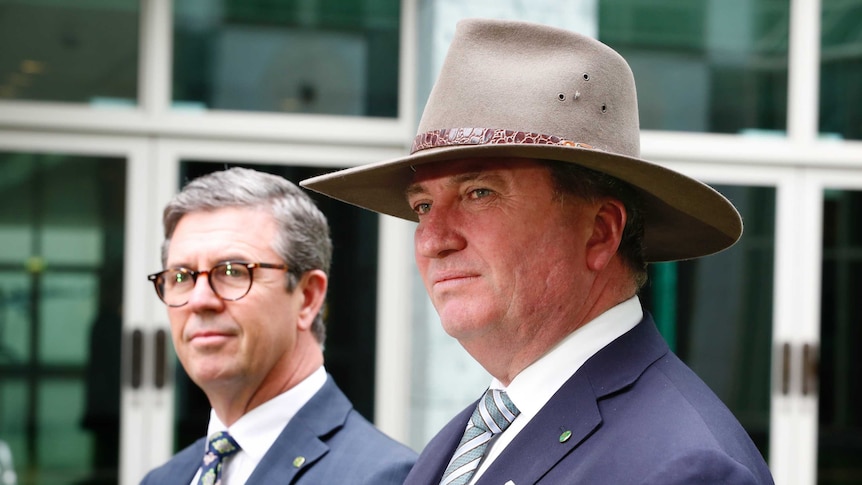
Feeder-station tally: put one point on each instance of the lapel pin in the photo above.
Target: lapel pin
(298, 461)
(565, 436)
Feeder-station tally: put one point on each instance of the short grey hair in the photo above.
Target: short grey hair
(302, 239)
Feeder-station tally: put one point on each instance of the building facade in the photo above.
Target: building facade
(108, 106)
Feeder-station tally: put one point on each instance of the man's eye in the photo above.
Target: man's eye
(422, 208)
(180, 277)
(480, 193)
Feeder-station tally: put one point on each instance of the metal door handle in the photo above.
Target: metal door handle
(810, 369)
(137, 359)
(160, 374)
(785, 369)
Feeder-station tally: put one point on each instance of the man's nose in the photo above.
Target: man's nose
(202, 296)
(439, 234)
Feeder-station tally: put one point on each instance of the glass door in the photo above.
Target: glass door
(61, 289)
(730, 315)
(780, 305)
(71, 215)
(831, 369)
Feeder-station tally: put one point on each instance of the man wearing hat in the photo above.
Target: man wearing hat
(536, 219)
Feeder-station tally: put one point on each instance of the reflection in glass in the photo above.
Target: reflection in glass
(714, 66)
(79, 52)
(61, 275)
(717, 312)
(322, 57)
(840, 422)
(841, 69)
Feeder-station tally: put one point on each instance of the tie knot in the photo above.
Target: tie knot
(222, 444)
(495, 411)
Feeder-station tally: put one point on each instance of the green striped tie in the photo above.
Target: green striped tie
(494, 413)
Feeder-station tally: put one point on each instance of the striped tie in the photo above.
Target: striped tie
(492, 416)
(221, 446)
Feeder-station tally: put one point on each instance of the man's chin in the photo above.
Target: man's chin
(463, 328)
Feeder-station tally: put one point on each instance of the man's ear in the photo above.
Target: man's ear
(608, 224)
(312, 286)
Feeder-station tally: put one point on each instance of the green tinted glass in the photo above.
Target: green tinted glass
(704, 66)
(335, 57)
(841, 69)
(61, 280)
(840, 369)
(80, 52)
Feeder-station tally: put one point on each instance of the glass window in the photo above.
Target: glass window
(61, 281)
(80, 52)
(841, 69)
(716, 312)
(840, 369)
(704, 65)
(335, 57)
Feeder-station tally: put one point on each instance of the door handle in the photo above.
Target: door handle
(810, 369)
(785, 369)
(137, 357)
(160, 360)
(809, 366)
(160, 374)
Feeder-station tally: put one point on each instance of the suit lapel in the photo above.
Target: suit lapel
(435, 456)
(186, 465)
(539, 446)
(299, 445)
(574, 407)
(296, 448)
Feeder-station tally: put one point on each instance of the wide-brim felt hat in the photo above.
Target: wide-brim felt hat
(519, 89)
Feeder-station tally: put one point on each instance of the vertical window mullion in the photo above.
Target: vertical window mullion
(804, 71)
(154, 73)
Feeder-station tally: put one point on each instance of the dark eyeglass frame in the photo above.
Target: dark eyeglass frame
(158, 278)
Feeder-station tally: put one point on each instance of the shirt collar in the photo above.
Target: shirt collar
(536, 384)
(257, 430)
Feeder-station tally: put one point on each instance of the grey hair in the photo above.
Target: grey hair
(302, 239)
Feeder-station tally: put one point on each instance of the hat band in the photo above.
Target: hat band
(487, 136)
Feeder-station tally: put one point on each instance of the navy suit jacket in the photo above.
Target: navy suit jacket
(637, 415)
(338, 444)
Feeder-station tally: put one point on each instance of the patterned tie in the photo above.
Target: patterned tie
(492, 416)
(221, 446)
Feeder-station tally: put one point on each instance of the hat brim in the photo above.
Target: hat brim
(683, 218)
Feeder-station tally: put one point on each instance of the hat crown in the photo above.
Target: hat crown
(514, 89)
(535, 79)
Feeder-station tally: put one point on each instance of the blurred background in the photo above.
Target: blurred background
(107, 107)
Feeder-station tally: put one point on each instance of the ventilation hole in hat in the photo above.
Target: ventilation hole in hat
(604, 108)
(561, 96)
(586, 76)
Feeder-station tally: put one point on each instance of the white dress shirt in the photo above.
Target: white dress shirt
(534, 386)
(257, 430)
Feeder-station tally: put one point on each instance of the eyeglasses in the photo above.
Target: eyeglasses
(230, 281)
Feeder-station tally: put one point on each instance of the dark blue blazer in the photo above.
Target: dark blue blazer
(637, 415)
(338, 444)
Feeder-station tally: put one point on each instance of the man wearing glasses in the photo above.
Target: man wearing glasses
(247, 257)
